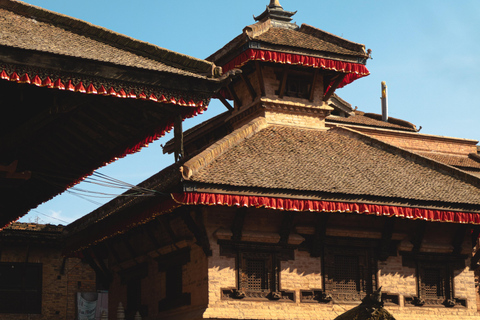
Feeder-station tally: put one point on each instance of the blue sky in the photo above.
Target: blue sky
(427, 51)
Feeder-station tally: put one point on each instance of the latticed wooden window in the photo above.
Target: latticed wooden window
(20, 288)
(349, 273)
(257, 273)
(435, 282)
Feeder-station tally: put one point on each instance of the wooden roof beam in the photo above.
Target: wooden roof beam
(197, 228)
(313, 87)
(386, 241)
(178, 137)
(418, 236)
(458, 238)
(286, 227)
(238, 222)
(250, 88)
(259, 72)
(283, 84)
(320, 234)
(334, 86)
(234, 95)
(225, 102)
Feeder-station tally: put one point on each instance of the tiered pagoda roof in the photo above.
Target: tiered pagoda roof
(77, 96)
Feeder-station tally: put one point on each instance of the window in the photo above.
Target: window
(435, 283)
(258, 271)
(349, 273)
(257, 275)
(21, 288)
(434, 279)
(298, 84)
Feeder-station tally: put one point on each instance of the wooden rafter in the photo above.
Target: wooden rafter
(286, 227)
(131, 250)
(419, 235)
(386, 241)
(238, 222)
(313, 87)
(250, 88)
(334, 86)
(150, 235)
(259, 71)
(197, 228)
(225, 102)
(165, 222)
(320, 234)
(475, 235)
(283, 84)
(458, 238)
(178, 137)
(111, 248)
(232, 93)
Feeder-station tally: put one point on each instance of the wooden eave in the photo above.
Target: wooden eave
(60, 136)
(190, 186)
(97, 71)
(234, 49)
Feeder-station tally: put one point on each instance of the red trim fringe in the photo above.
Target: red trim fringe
(284, 204)
(80, 87)
(354, 70)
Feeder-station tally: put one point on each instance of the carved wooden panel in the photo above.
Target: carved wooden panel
(349, 273)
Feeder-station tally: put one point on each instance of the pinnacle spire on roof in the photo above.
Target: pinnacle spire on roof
(274, 4)
(275, 12)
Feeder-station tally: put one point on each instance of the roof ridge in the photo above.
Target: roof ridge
(412, 156)
(208, 155)
(256, 29)
(118, 40)
(397, 121)
(332, 38)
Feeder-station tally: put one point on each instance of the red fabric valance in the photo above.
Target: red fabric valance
(354, 71)
(284, 204)
(63, 84)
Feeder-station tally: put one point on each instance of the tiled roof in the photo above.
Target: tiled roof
(456, 161)
(32, 28)
(301, 39)
(361, 119)
(289, 158)
(35, 227)
(306, 40)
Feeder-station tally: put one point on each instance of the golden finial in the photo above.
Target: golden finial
(275, 4)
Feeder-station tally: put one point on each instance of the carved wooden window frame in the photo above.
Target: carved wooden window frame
(248, 278)
(445, 264)
(270, 255)
(363, 276)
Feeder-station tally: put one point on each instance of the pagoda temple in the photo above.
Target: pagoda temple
(292, 204)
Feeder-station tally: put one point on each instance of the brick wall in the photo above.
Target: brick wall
(153, 286)
(304, 272)
(58, 290)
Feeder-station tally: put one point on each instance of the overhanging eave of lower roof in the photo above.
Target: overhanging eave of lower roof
(348, 200)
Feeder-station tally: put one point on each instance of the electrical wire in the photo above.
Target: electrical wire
(46, 215)
(101, 180)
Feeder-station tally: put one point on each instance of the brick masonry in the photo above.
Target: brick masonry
(59, 290)
(304, 272)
